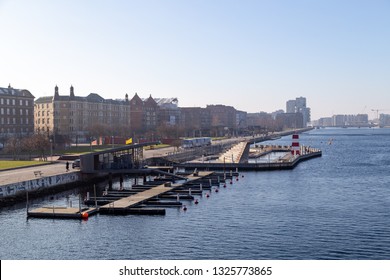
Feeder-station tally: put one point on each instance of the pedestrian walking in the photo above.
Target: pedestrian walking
(67, 166)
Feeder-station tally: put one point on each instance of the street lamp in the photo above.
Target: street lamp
(51, 150)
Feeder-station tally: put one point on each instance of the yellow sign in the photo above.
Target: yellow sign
(129, 141)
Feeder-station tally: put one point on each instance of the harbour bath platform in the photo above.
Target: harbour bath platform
(130, 204)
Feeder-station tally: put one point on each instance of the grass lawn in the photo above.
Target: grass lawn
(5, 164)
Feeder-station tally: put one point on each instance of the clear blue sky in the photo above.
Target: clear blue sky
(253, 55)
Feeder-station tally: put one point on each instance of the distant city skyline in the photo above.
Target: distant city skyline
(252, 55)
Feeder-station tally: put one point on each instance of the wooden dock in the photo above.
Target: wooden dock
(130, 202)
(62, 212)
(250, 166)
(133, 200)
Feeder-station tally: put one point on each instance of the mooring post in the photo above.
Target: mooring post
(201, 186)
(110, 181)
(94, 193)
(189, 191)
(80, 202)
(27, 202)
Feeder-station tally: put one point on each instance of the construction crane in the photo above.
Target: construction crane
(377, 112)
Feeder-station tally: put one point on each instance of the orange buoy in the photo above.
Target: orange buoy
(84, 215)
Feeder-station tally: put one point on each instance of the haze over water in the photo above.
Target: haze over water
(333, 207)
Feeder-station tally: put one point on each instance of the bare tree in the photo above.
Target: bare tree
(28, 146)
(13, 147)
(41, 144)
(97, 130)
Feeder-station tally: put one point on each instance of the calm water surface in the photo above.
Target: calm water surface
(333, 207)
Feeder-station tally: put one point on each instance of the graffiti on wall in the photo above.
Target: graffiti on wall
(38, 184)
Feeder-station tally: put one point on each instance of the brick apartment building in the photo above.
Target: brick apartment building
(16, 112)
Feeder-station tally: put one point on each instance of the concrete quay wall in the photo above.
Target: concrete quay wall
(38, 184)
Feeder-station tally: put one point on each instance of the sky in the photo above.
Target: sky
(253, 55)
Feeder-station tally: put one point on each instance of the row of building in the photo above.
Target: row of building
(72, 118)
(344, 121)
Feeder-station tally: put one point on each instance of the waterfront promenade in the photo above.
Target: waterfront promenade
(54, 173)
(28, 173)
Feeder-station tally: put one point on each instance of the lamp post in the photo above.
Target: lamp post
(51, 150)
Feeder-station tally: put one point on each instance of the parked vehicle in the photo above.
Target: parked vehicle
(76, 163)
(196, 142)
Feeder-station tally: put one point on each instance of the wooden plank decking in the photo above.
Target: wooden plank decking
(136, 199)
(62, 212)
(124, 205)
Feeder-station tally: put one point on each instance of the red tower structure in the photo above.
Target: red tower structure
(295, 148)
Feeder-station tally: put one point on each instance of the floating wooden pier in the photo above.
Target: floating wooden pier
(142, 200)
(130, 202)
(62, 212)
(250, 166)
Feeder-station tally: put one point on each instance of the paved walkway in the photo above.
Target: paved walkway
(27, 173)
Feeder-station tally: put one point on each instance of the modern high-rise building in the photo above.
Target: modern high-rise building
(16, 112)
(299, 106)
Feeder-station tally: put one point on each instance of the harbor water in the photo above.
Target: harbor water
(333, 207)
